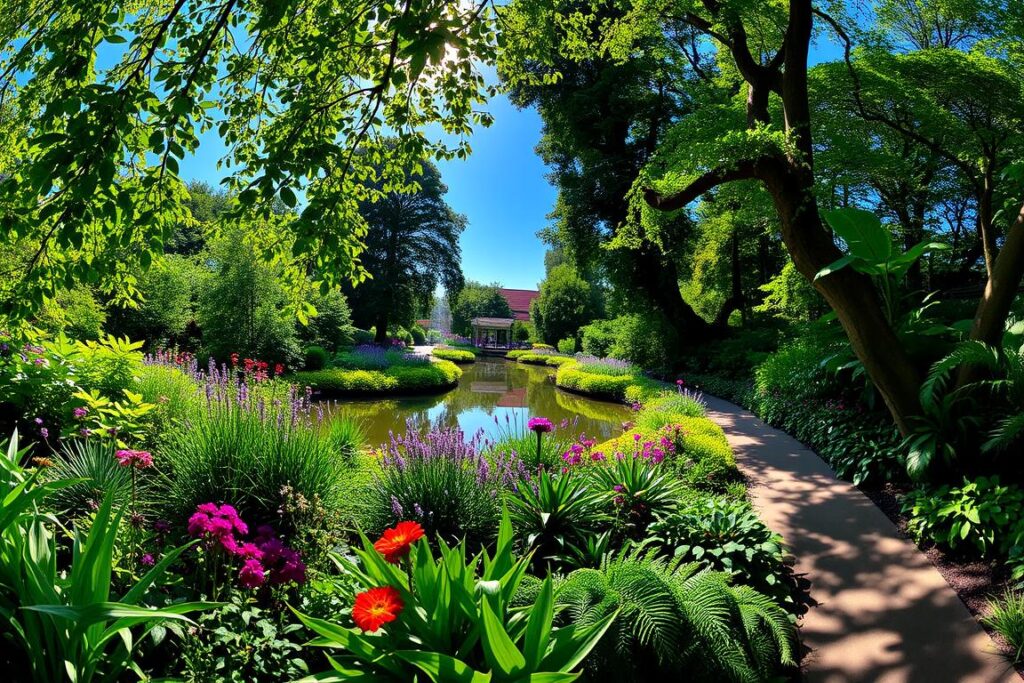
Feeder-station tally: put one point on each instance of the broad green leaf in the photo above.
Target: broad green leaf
(499, 650)
(442, 668)
(863, 232)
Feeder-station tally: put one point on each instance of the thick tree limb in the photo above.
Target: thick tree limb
(744, 170)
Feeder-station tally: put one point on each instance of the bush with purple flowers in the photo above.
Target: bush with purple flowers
(444, 481)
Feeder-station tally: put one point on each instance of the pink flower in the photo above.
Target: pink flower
(597, 456)
(249, 551)
(80, 413)
(252, 574)
(539, 425)
(138, 459)
(198, 524)
(147, 560)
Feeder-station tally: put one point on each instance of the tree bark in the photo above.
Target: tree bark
(1001, 288)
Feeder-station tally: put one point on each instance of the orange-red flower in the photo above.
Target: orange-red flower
(376, 607)
(395, 543)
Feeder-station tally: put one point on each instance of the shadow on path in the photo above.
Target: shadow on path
(884, 613)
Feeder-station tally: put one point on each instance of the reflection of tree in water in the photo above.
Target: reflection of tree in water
(487, 388)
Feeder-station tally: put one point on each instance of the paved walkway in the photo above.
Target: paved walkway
(885, 614)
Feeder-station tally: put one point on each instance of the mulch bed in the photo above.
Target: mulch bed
(975, 581)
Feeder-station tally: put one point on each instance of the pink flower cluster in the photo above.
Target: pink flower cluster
(264, 558)
(137, 459)
(580, 452)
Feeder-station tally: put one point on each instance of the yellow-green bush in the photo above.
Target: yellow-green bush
(628, 388)
(425, 377)
(455, 355)
(549, 359)
(516, 353)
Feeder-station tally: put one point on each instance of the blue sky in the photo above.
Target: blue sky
(501, 188)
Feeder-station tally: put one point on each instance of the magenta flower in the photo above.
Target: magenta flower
(540, 425)
(137, 459)
(80, 413)
(252, 574)
(147, 560)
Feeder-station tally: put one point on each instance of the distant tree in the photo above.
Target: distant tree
(244, 308)
(412, 247)
(205, 206)
(478, 301)
(331, 327)
(565, 304)
(167, 308)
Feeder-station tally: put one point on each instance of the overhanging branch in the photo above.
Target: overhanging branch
(744, 170)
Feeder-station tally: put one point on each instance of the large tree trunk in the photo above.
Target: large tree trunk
(658, 277)
(1001, 288)
(381, 334)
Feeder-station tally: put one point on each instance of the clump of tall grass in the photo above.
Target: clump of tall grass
(1006, 617)
(247, 443)
(91, 464)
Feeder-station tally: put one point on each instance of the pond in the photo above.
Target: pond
(489, 388)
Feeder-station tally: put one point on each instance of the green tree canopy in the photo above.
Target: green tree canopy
(105, 103)
(565, 304)
(412, 246)
(476, 300)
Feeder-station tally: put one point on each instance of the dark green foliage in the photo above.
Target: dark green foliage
(598, 337)
(476, 300)
(677, 623)
(553, 516)
(636, 492)
(419, 335)
(243, 642)
(412, 247)
(93, 462)
(981, 515)
(315, 358)
(726, 535)
(167, 312)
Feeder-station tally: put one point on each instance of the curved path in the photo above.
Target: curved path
(884, 613)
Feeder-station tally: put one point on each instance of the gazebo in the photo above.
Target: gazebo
(492, 333)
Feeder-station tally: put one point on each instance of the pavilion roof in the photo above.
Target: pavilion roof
(499, 323)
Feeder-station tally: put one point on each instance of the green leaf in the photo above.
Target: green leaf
(442, 668)
(538, 628)
(863, 232)
(499, 650)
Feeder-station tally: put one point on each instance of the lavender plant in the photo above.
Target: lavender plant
(605, 366)
(442, 480)
(371, 357)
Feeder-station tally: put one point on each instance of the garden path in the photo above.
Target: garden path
(884, 613)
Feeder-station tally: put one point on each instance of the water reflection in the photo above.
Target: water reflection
(489, 388)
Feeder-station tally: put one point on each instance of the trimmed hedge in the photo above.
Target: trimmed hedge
(433, 377)
(455, 355)
(514, 354)
(549, 359)
(628, 388)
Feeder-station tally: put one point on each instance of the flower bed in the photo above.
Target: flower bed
(607, 379)
(455, 355)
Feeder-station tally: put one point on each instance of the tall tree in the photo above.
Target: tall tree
(412, 246)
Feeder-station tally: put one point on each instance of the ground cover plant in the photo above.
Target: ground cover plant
(455, 355)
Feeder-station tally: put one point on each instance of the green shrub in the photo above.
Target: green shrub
(1006, 617)
(727, 535)
(455, 355)
(331, 327)
(982, 515)
(315, 358)
(612, 387)
(75, 312)
(424, 377)
(543, 357)
(360, 337)
(598, 337)
(109, 366)
(515, 354)
(677, 623)
(553, 517)
(567, 346)
(647, 340)
(419, 335)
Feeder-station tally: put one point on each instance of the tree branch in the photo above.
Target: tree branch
(745, 170)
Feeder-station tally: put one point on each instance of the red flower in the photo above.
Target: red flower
(234, 359)
(395, 543)
(376, 607)
(279, 369)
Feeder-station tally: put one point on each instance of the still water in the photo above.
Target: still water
(489, 388)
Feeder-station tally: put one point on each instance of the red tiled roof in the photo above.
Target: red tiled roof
(519, 301)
